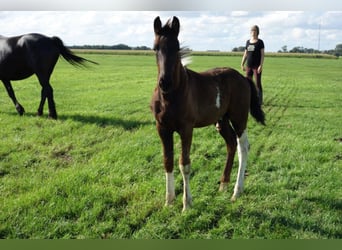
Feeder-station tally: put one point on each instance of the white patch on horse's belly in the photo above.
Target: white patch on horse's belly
(218, 98)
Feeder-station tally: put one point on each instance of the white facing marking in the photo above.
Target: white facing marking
(218, 104)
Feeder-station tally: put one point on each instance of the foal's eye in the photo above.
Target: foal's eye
(156, 47)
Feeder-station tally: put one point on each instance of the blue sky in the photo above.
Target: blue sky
(202, 28)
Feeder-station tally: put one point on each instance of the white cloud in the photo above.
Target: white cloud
(200, 30)
(239, 13)
(297, 33)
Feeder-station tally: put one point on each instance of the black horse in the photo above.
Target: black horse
(23, 56)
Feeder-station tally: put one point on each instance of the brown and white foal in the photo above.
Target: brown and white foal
(184, 100)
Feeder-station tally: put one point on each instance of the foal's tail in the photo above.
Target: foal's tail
(69, 55)
(255, 107)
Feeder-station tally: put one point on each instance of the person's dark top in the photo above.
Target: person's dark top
(254, 53)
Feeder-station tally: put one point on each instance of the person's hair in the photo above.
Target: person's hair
(256, 28)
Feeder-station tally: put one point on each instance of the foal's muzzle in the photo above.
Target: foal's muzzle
(165, 84)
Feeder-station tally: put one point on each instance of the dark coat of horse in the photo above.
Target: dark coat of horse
(184, 100)
(23, 56)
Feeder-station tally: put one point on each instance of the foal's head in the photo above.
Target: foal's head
(166, 46)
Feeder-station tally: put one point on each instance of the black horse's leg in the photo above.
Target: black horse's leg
(47, 93)
(11, 94)
(41, 104)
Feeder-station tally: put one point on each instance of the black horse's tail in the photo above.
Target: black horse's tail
(69, 55)
(255, 108)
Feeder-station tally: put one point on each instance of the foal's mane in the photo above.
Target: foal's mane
(185, 56)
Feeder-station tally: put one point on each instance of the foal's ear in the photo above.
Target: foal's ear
(157, 25)
(175, 25)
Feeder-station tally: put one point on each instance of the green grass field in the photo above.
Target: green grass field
(97, 171)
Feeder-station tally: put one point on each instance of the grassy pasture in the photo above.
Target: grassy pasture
(97, 171)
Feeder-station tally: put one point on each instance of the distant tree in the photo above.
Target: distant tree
(284, 49)
(298, 49)
(142, 48)
(121, 47)
(309, 51)
(301, 49)
(239, 49)
(338, 50)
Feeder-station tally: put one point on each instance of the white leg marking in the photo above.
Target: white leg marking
(242, 153)
(187, 199)
(170, 188)
(218, 101)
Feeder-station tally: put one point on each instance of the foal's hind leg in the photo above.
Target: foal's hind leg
(243, 146)
(227, 132)
(11, 94)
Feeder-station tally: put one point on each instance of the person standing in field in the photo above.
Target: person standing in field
(253, 57)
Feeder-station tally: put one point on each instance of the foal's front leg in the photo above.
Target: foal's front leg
(185, 165)
(166, 137)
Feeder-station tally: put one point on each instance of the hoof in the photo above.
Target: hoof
(20, 109)
(237, 194)
(233, 199)
(223, 186)
(168, 204)
(187, 207)
(53, 116)
(169, 199)
(187, 203)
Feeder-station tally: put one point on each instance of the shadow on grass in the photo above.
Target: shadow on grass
(106, 121)
(100, 121)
